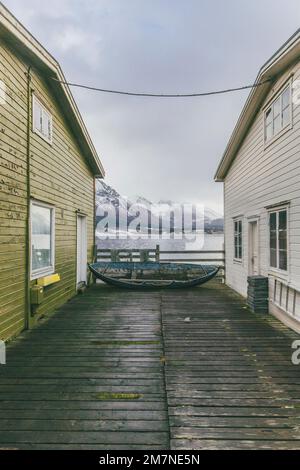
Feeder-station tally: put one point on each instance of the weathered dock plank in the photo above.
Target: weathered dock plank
(229, 377)
(90, 377)
(191, 369)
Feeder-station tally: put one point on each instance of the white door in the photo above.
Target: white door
(81, 250)
(253, 249)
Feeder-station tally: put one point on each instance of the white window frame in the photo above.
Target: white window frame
(36, 101)
(37, 273)
(270, 105)
(238, 220)
(272, 211)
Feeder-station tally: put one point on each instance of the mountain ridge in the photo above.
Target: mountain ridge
(106, 195)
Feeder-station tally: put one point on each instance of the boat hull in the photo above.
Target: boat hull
(152, 275)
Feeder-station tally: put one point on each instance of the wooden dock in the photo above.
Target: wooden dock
(191, 369)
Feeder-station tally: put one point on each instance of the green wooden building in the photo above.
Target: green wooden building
(48, 166)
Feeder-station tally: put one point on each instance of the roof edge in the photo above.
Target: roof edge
(16, 30)
(277, 63)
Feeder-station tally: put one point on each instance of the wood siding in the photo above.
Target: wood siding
(59, 176)
(262, 175)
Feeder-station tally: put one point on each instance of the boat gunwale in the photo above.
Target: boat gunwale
(144, 284)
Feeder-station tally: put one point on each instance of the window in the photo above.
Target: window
(42, 239)
(42, 120)
(238, 239)
(278, 239)
(278, 114)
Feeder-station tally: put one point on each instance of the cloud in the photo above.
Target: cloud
(161, 149)
(75, 41)
(32, 9)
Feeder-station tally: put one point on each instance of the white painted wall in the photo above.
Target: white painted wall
(260, 176)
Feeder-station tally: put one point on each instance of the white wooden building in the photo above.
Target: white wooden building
(260, 169)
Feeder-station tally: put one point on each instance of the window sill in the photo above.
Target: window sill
(48, 280)
(40, 274)
(278, 273)
(238, 261)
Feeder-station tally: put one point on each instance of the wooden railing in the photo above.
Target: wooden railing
(216, 257)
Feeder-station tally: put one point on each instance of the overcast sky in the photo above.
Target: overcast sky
(161, 148)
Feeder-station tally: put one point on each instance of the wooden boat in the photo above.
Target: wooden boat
(132, 275)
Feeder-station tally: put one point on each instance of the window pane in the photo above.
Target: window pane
(278, 231)
(282, 240)
(282, 220)
(49, 129)
(41, 237)
(286, 116)
(273, 221)
(269, 131)
(277, 124)
(286, 97)
(45, 120)
(238, 239)
(37, 117)
(269, 116)
(273, 258)
(42, 120)
(235, 246)
(276, 108)
(282, 259)
(273, 239)
(46, 125)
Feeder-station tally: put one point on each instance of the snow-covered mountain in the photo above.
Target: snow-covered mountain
(107, 196)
